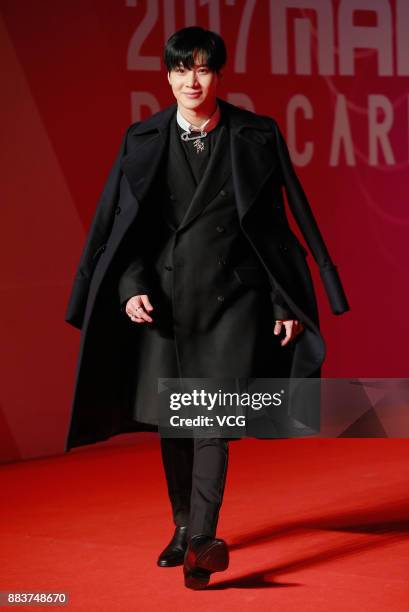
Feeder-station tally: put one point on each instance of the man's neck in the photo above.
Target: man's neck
(197, 118)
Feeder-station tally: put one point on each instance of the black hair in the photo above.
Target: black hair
(185, 43)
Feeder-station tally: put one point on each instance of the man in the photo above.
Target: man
(191, 232)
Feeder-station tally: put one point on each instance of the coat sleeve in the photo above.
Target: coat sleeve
(281, 310)
(133, 281)
(301, 210)
(97, 237)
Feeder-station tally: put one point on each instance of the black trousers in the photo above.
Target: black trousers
(195, 470)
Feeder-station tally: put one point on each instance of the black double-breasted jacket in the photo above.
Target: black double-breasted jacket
(211, 273)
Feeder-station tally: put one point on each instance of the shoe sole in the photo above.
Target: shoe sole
(213, 559)
(197, 579)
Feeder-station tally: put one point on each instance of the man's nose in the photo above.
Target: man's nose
(191, 78)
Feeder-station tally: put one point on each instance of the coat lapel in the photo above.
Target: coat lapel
(251, 151)
(252, 164)
(148, 141)
(215, 174)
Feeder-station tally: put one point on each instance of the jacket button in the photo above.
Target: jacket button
(222, 261)
(103, 248)
(283, 247)
(168, 268)
(172, 197)
(117, 210)
(223, 193)
(220, 228)
(220, 298)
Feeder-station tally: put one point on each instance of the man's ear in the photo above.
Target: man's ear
(169, 78)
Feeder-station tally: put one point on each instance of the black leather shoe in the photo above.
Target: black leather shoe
(174, 552)
(203, 556)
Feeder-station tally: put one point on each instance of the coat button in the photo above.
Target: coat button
(168, 268)
(117, 210)
(220, 228)
(283, 247)
(223, 193)
(172, 197)
(222, 261)
(220, 298)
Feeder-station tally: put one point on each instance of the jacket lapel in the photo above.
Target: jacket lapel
(215, 174)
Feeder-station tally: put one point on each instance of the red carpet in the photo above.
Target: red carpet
(312, 524)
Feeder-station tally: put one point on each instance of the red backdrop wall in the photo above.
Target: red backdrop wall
(75, 74)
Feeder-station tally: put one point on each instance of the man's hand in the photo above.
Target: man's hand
(292, 329)
(137, 308)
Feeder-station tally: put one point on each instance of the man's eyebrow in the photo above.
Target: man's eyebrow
(196, 65)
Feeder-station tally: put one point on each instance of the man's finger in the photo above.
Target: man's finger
(293, 329)
(140, 313)
(144, 305)
(138, 310)
(130, 311)
(289, 325)
(136, 319)
(145, 301)
(277, 327)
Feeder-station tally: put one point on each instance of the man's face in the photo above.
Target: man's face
(194, 89)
